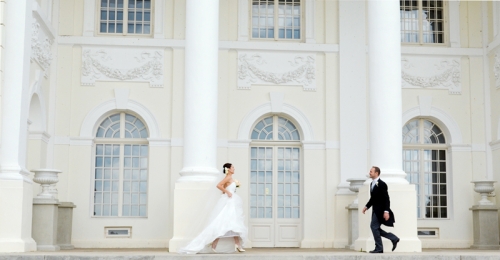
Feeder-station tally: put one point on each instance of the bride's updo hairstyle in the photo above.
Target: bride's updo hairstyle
(226, 165)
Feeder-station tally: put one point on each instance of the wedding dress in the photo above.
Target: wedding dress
(226, 222)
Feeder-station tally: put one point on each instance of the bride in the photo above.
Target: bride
(226, 220)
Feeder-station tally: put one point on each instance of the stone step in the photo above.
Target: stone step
(254, 254)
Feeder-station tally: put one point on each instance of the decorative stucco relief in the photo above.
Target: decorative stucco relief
(290, 69)
(429, 72)
(496, 69)
(122, 64)
(41, 48)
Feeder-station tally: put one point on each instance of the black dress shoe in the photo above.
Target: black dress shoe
(395, 244)
(376, 252)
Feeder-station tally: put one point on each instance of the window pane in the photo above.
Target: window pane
(262, 18)
(139, 17)
(126, 210)
(427, 21)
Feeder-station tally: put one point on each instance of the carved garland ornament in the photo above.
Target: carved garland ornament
(451, 74)
(304, 74)
(151, 70)
(40, 48)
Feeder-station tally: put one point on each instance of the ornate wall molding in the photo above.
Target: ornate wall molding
(430, 72)
(122, 64)
(496, 69)
(41, 47)
(290, 69)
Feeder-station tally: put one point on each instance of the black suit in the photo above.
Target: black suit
(379, 200)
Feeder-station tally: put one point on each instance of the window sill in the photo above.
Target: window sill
(115, 35)
(274, 40)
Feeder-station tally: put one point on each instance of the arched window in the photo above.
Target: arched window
(275, 178)
(121, 167)
(266, 127)
(424, 161)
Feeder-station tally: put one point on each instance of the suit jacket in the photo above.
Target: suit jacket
(379, 200)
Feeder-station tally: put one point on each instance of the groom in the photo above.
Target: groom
(381, 213)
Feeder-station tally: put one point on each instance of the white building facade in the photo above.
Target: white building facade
(140, 102)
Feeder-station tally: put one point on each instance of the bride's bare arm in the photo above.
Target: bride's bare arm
(222, 185)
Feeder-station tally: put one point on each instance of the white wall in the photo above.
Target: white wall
(459, 112)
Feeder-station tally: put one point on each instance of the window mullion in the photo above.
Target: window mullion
(276, 14)
(422, 162)
(421, 132)
(275, 183)
(122, 125)
(125, 17)
(420, 22)
(120, 186)
(275, 128)
(421, 181)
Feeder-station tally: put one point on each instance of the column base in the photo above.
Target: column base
(17, 245)
(403, 201)
(190, 204)
(16, 211)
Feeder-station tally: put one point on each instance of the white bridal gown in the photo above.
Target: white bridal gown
(226, 222)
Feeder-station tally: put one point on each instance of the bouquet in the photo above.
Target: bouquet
(237, 183)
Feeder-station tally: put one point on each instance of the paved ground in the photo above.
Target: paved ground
(253, 253)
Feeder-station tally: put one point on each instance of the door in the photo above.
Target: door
(275, 201)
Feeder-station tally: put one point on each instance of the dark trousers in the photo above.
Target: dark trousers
(378, 233)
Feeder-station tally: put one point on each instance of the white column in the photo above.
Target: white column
(200, 93)
(384, 65)
(17, 53)
(353, 88)
(200, 118)
(15, 187)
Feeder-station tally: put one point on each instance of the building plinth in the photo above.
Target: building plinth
(353, 227)
(45, 218)
(65, 225)
(485, 225)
